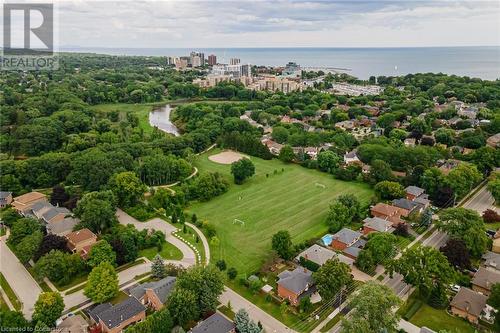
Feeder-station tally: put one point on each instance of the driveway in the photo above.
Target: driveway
(23, 284)
(189, 257)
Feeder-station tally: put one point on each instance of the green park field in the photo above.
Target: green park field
(293, 198)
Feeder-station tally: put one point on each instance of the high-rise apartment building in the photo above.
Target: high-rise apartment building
(234, 61)
(212, 59)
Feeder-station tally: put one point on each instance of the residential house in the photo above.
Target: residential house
(469, 113)
(115, 318)
(406, 207)
(319, 255)
(423, 201)
(23, 202)
(73, 324)
(484, 279)
(274, 147)
(351, 158)
(376, 224)
(81, 241)
(410, 142)
(447, 165)
(344, 238)
(387, 212)
(347, 125)
(292, 285)
(468, 304)
(154, 294)
(413, 192)
(5, 198)
(63, 227)
(216, 323)
(354, 250)
(494, 141)
(496, 243)
(491, 260)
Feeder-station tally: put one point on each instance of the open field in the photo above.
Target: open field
(286, 200)
(168, 251)
(141, 110)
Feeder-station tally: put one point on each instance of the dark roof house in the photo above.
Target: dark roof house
(113, 316)
(161, 289)
(347, 236)
(216, 323)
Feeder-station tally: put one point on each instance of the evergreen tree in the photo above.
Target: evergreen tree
(158, 267)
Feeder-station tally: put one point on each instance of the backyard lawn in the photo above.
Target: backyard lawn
(289, 198)
(440, 320)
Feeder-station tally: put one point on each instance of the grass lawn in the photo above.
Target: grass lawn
(227, 311)
(3, 305)
(141, 110)
(435, 319)
(168, 251)
(9, 292)
(440, 320)
(120, 297)
(331, 323)
(288, 200)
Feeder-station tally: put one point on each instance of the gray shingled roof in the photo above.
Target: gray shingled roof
(54, 211)
(486, 278)
(404, 203)
(4, 194)
(93, 313)
(115, 315)
(39, 205)
(319, 255)
(161, 288)
(378, 224)
(216, 323)
(470, 301)
(297, 280)
(346, 236)
(414, 190)
(492, 259)
(353, 251)
(62, 227)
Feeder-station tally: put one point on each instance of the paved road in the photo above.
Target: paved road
(23, 284)
(189, 257)
(481, 201)
(270, 324)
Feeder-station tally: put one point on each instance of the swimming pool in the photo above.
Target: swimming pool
(327, 239)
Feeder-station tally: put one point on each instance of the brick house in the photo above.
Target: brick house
(81, 240)
(154, 294)
(413, 192)
(115, 318)
(293, 284)
(406, 207)
(484, 279)
(468, 304)
(344, 238)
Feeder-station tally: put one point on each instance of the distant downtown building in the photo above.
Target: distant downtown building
(212, 59)
(234, 61)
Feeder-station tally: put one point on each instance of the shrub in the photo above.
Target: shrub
(490, 216)
(412, 310)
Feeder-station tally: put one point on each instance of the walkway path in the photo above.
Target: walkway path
(189, 257)
(20, 280)
(206, 247)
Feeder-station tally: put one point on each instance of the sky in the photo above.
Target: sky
(285, 23)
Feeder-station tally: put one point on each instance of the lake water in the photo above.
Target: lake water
(482, 62)
(161, 118)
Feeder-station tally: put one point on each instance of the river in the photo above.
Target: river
(161, 118)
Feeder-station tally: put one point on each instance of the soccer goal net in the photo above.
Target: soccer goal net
(320, 185)
(240, 222)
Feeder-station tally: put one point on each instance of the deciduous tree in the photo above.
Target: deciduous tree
(48, 308)
(282, 244)
(101, 252)
(102, 283)
(242, 170)
(331, 277)
(372, 310)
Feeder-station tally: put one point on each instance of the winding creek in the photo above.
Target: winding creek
(161, 118)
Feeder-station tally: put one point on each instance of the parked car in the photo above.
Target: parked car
(455, 287)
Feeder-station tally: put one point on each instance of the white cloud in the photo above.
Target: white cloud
(278, 23)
